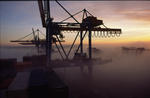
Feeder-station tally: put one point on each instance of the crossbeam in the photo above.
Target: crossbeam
(84, 29)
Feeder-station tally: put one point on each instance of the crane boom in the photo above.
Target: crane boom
(42, 13)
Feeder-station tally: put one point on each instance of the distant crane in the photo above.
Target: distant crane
(35, 40)
(88, 24)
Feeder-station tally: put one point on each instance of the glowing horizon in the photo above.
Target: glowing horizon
(18, 18)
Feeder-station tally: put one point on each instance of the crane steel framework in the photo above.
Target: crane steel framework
(89, 24)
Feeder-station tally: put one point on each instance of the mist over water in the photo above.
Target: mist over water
(127, 76)
(17, 52)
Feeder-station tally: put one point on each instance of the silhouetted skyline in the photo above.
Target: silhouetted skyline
(18, 17)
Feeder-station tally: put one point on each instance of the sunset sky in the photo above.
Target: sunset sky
(18, 17)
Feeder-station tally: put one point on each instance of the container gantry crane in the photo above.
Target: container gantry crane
(89, 24)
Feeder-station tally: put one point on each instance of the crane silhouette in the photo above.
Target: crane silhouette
(89, 24)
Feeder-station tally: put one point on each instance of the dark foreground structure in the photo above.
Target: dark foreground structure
(39, 83)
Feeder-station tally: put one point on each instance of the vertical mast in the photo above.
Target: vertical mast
(90, 44)
(48, 31)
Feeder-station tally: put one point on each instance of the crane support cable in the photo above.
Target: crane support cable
(61, 46)
(104, 26)
(24, 36)
(89, 13)
(80, 43)
(67, 11)
(72, 15)
(72, 44)
(59, 51)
